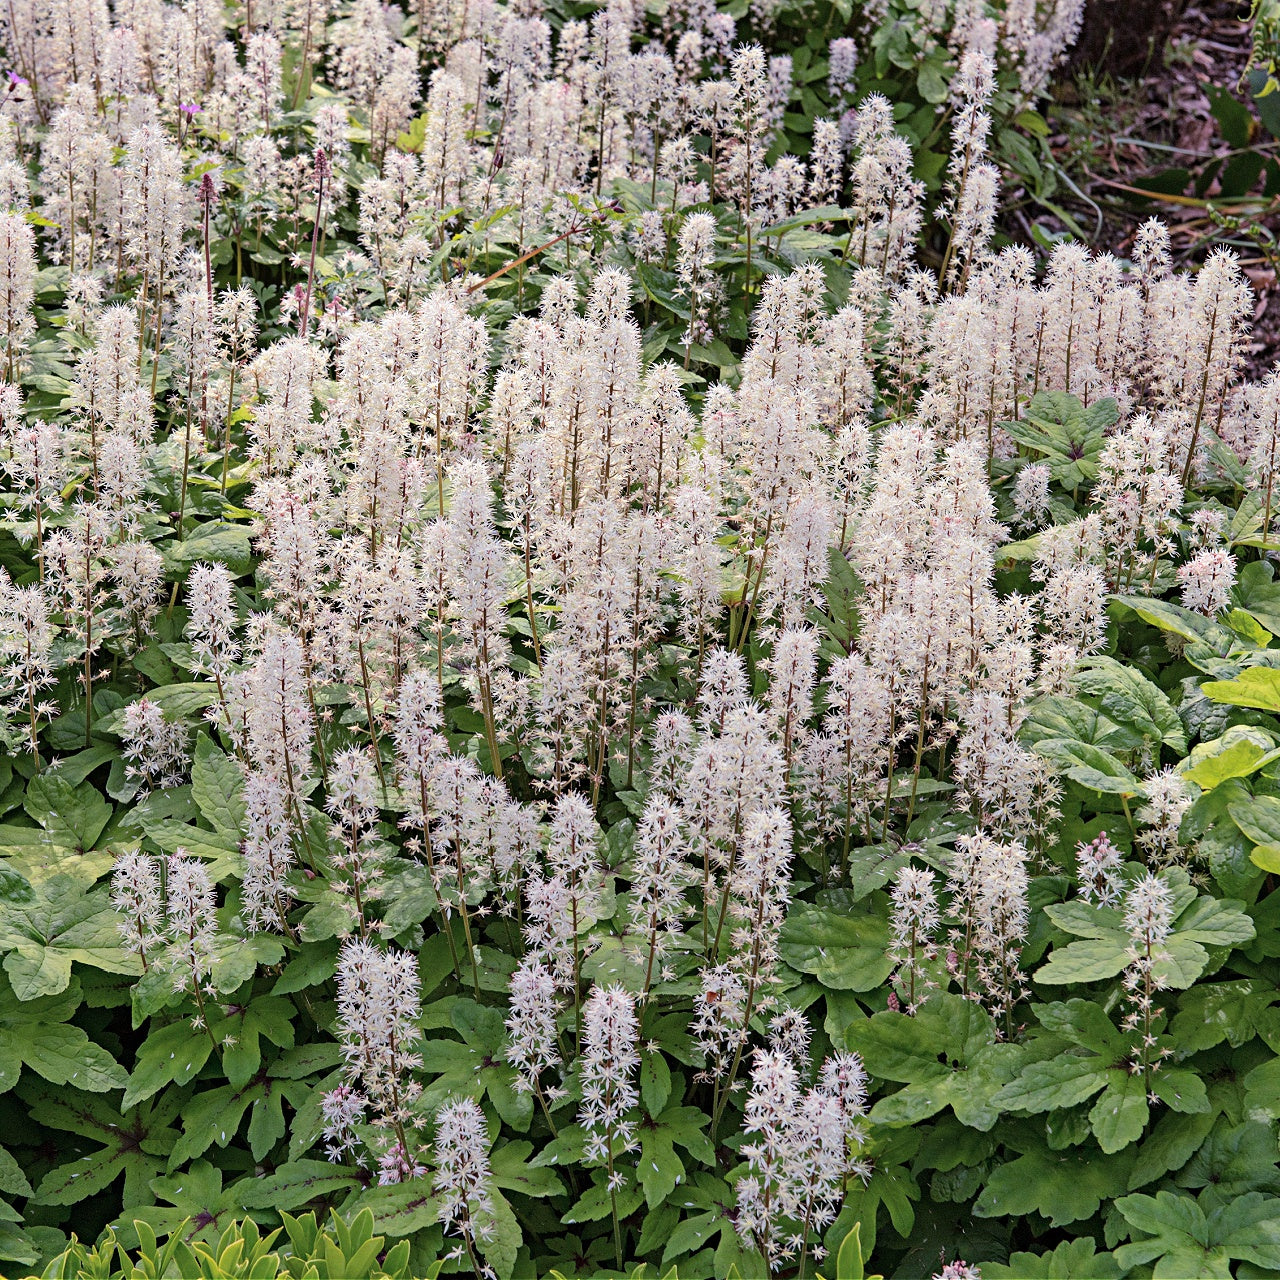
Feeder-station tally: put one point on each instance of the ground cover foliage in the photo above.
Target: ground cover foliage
(599, 674)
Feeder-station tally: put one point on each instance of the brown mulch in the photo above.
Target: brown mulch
(1159, 117)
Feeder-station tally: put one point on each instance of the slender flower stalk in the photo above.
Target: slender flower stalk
(322, 172)
(609, 1094)
(463, 1178)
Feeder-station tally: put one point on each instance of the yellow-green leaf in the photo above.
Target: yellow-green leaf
(1266, 856)
(1240, 751)
(1254, 687)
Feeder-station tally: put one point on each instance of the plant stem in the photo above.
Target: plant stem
(322, 170)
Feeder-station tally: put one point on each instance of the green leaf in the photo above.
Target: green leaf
(1170, 1144)
(1216, 922)
(1091, 960)
(221, 848)
(478, 1065)
(1071, 1260)
(236, 959)
(240, 1031)
(1262, 1091)
(14, 888)
(62, 925)
(1266, 91)
(75, 769)
(895, 1046)
(79, 1179)
(1055, 716)
(594, 1205)
(131, 1146)
(1064, 1186)
(687, 1126)
(212, 1116)
(946, 1055)
(217, 787)
(313, 963)
(501, 1243)
(714, 352)
(658, 1167)
(198, 1200)
(1248, 628)
(74, 816)
(1171, 617)
(692, 1233)
(1258, 818)
(1130, 698)
(66, 1055)
(1213, 1012)
(1085, 1023)
(1062, 1081)
(871, 867)
(1249, 1229)
(10, 1065)
(512, 1172)
(294, 1184)
(842, 591)
(970, 1089)
(410, 896)
(1171, 1220)
(1232, 116)
(13, 1182)
(168, 1054)
(930, 83)
(1090, 766)
(216, 540)
(1070, 437)
(1191, 1243)
(176, 701)
(399, 1210)
(266, 1121)
(1086, 920)
(1235, 1159)
(1181, 1090)
(1180, 963)
(34, 1032)
(413, 138)
(655, 1082)
(306, 1060)
(1032, 122)
(844, 951)
(1120, 1114)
